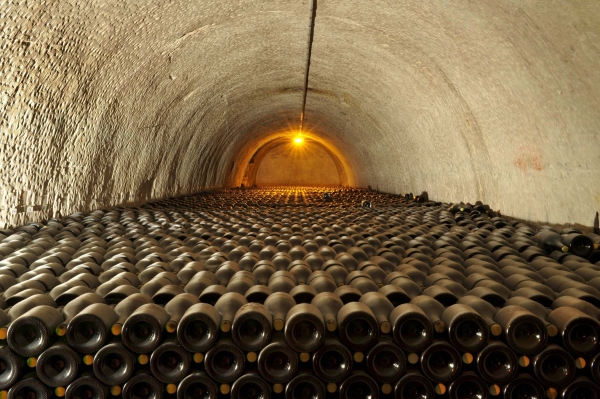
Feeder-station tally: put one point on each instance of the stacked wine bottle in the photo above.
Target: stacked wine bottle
(284, 292)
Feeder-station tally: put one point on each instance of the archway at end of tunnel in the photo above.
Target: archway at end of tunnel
(297, 161)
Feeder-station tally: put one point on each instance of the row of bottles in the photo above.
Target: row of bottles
(298, 293)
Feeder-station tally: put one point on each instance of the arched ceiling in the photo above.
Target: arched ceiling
(113, 102)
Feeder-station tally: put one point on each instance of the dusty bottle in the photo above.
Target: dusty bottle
(433, 309)
(581, 388)
(525, 387)
(86, 387)
(304, 328)
(580, 333)
(30, 334)
(497, 363)
(381, 308)
(579, 244)
(277, 362)
(89, 330)
(329, 304)
(126, 307)
(359, 385)
(29, 387)
(468, 385)
(554, 366)
(177, 307)
(441, 362)
(525, 333)
(386, 362)
(144, 329)
(551, 241)
(142, 386)
(279, 303)
(197, 385)
(58, 365)
(252, 327)
(169, 362)
(224, 362)
(113, 364)
(467, 330)
(358, 328)
(304, 386)
(250, 386)
(414, 386)
(332, 362)
(227, 306)
(12, 367)
(198, 329)
(412, 329)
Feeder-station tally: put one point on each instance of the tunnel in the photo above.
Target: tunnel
(360, 176)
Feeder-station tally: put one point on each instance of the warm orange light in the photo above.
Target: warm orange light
(298, 140)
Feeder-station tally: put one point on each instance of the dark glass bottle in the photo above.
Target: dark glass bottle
(11, 366)
(197, 386)
(358, 327)
(142, 386)
(441, 362)
(250, 386)
(332, 362)
(579, 244)
(198, 329)
(386, 362)
(497, 363)
(177, 307)
(277, 362)
(113, 364)
(126, 307)
(252, 327)
(58, 365)
(551, 241)
(144, 329)
(359, 385)
(525, 333)
(30, 334)
(381, 308)
(224, 362)
(29, 387)
(89, 330)
(468, 386)
(86, 387)
(414, 386)
(279, 303)
(581, 388)
(329, 304)
(467, 330)
(580, 333)
(524, 387)
(305, 386)
(433, 309)
(227, 306)
(169, 362)
(412, 329)
(304, 328)
(554, 366)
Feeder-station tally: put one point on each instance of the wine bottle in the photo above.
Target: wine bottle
(58, 365)
(177, 307)
(468, 386)
(554, 367)
(279, 304)
(581, 388)
(113, 364)
(432, 309)
(197, 385)
(304, 328)
(497, 363)
(277, 362)
(29, 387)
(227, 306)
(381, 308)
(143, 330)
(412, 329)
(169, 362)
(358, 327)
(414, 386)
(359, 385)
(11, 367)
(551, 241)
(467, 330)
(252, 327)
(142, 386)
(88, 331)
(198, 329)
(524, 387)
(332, 362)
(30, 334)
(580, 333)
(329, 305)
(386, 362)
(304, 386)
(525, 333)
(579, 244)
(441, 362)
(86, 387)
(126, 307)
(224, 362)
(250, 386)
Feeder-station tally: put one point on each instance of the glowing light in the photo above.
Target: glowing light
(299, 140)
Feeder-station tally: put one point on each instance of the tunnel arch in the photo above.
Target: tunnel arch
(254, 165)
